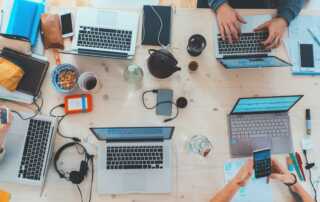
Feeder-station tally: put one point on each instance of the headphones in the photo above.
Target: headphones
(76, 177)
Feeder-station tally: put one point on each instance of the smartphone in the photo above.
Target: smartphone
(4, 115)
(262, 162)
(66, 24)
(306, 54)
(164, 95)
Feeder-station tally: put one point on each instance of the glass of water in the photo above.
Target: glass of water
(199, 144)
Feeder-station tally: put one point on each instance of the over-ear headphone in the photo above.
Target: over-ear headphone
(76, 177)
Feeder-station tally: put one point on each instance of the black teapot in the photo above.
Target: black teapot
(162, 63)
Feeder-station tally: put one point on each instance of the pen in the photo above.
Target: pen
(290, 164)
(308, 121)
(300, 165)
(296, 166)
(314, 37)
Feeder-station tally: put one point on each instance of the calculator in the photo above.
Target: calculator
(262, 162)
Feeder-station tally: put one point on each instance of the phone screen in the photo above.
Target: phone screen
(66, 23)
(262, 163)
(164, 95)
(306, 54)
(4, 116)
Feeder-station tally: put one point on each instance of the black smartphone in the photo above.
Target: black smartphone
(306, 54)
(262, 162)
(66, 24)
(4, 115)
(164, 98)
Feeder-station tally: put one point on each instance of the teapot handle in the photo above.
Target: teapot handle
(150, 51)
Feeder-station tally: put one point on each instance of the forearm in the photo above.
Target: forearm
(215, 4)
(289, 9)
(303, 196)
(227, 193)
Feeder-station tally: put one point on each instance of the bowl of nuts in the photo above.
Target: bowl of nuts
(65, 78)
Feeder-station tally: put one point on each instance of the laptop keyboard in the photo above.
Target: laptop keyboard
(34, 152)
(259, 127)
(248, 43)
(102, 38)
(134, 157)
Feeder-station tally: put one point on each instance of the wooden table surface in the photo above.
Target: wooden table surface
(211, 91)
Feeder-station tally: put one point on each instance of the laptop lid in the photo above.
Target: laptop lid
(265, 104)
(133, 133)
(252, 61)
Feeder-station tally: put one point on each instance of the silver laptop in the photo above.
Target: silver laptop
(248, 52)
(260, 122)
(134, 160)
(28, 150)
(105, 33)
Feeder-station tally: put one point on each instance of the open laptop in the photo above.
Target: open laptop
(29, 147)
(260, 122)
(104, 33)
(134, 160)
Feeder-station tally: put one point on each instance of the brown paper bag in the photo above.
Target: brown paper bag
(10, 74)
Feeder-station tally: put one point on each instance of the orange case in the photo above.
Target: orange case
(89, 100)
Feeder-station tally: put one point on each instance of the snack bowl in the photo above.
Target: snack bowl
(64, 78)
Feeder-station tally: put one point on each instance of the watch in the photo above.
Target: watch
(292, 183)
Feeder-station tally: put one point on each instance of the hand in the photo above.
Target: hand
(280, 173)
(4, 128)
(229, 22)
(244, 174)
(276, 28)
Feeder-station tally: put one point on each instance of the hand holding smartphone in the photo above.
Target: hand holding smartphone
(262, 162)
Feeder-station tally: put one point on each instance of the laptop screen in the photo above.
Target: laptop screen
(265, 104)
(253, 62)
(133, 133)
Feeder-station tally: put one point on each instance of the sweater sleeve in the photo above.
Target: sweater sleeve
(289, 9)
(214, 4)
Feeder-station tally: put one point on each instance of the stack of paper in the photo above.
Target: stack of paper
(255, 190)
(298, 34)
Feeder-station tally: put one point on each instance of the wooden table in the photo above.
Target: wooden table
(211, 91)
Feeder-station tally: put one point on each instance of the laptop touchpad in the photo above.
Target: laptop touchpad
(134, 183)
(107, 19)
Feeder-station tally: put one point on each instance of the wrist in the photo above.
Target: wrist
(222, 7)
(290, 180)
(282, 20)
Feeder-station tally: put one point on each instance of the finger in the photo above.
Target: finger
(228, 33)
(261, 27)
(240, 18)
(234, 32)
(273, 44)
(269, 40)
(222, 32)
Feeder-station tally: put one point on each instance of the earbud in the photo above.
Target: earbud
(182, 102)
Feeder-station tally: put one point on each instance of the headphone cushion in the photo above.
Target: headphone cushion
(84, 168)
(75, 177)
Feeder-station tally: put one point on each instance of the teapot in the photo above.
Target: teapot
(162, 63)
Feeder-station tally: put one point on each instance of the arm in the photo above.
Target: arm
(214, 4)
(300, 194)
(289, 9)
(240, 180)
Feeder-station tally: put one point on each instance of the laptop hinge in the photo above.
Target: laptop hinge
(98, 53)
(245, 56)
(130, 140)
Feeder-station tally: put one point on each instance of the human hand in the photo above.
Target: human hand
(276, 28)
(229, 22)
(4, 128)
(244, 173)
(280, 173)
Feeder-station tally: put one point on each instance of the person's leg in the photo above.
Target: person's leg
(251, 4)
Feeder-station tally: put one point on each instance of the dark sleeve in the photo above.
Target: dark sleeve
(297, 197)
(289, 9)
(214, 4)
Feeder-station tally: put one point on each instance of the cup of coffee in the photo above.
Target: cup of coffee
(88, 82)
(193, 66)
(196, 44)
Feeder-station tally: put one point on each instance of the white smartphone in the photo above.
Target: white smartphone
(66, 24)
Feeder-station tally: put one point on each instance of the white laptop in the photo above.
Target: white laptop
(134, 160)
(28, 150)
(104, 33)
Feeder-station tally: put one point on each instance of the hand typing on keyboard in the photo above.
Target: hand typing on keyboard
(276, 28)
(229, 22)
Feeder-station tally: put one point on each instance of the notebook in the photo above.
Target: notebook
(152, 25)
(25, 19)
(34, 68)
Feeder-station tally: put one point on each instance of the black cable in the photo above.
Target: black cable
(80, 192)
(308, 167)
(92, 174)
(36, 112)
(159, 103)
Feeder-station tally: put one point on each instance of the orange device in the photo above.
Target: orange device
(78, 104)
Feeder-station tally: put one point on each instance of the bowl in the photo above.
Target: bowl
(65, 78)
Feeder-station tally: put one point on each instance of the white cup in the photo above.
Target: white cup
(89, 82)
